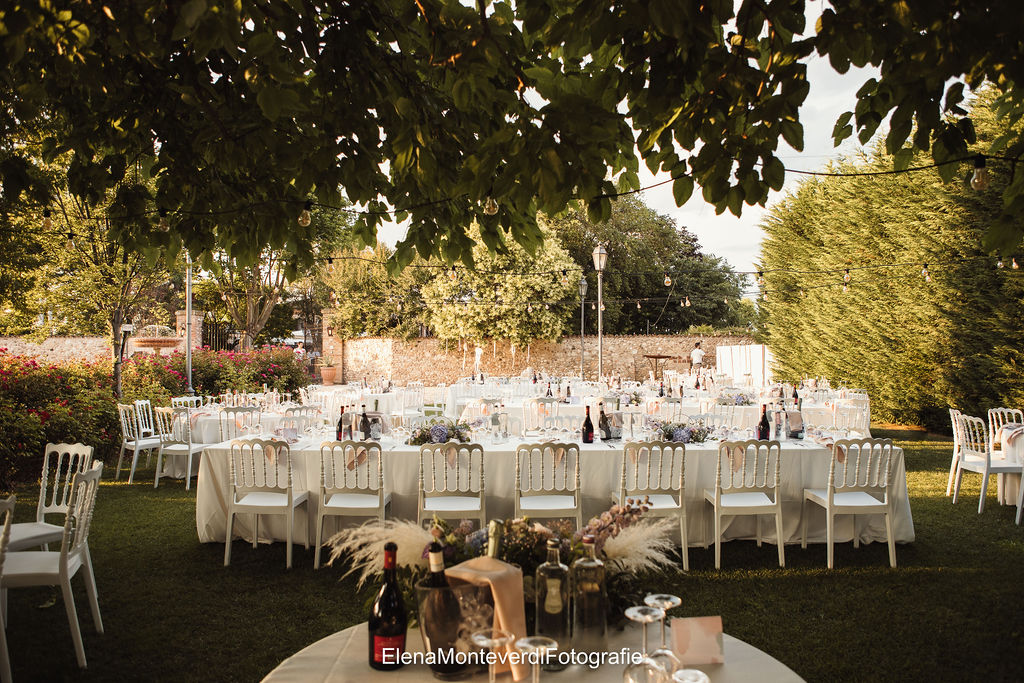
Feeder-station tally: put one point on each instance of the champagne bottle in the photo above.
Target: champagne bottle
(590, 601)
(552, 603)
(495, 532)
(388, 621)
(588, 428)
(364, 425)
(602, 424)
(441, 613)
(341, 425)
(763, 427)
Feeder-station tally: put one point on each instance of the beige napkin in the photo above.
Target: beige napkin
(698, 640)
(506, 582)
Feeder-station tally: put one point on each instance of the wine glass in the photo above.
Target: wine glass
(690, 676)
(645, 669)
(664, 654)
(538, 646)
(491, 638)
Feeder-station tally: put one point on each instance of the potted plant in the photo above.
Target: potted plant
(327, 371)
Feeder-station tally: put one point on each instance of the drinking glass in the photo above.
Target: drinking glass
(646, 669)
(492, 638)
(664, 654)
(690, 676)
(539, 645)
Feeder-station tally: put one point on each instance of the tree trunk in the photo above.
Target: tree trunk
(117, 350)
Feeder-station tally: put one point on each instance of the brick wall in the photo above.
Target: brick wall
(432, 362)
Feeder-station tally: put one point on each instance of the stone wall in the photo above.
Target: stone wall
(432, 362)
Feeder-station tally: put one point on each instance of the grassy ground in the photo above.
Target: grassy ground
(952, 610)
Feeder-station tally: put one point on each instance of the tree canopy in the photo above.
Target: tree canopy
(432, 107)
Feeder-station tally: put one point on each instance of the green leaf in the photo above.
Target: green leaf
(682, 189)
(842, 129)
(793, 133)
(270, 101)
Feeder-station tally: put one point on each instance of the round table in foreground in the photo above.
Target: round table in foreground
(342, 657)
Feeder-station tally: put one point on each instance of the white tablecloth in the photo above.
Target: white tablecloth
(1009, 484)
(342, 656)
(804, 465)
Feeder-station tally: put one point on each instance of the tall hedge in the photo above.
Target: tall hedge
(918, 347)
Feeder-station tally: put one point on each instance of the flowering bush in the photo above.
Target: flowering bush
(440, 430)
(72, 402)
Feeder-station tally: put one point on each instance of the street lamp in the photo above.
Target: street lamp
(583, 295)
(188, 324)
(126, 331)
(600, 261)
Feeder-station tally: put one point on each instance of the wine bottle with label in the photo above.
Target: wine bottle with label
(661, 389)
(552, 603)
(764, 428)
(441, 613)
(364, 425)
(588, 428)
(388, 621)
(340, 435)
(603, 425)
(568, 392)
(590, 601)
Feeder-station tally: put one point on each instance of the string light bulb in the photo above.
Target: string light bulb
(529, 308)
(602, 306)
(668, 280)
(305, 218)
(846, 288)
(681, 303)
(162, 225)
(565, 277)
(999, 262)
(726, 300)
(638, 304)
(760, 277)
(687, 303)
(490, 206)
(547, 306)
(924, 273)
(71, 240)
(593, 307)
(979, 181)
(47, 220)
(846, 275)
(1014, 264)
(452, 275)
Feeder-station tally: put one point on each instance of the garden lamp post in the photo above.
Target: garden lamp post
(583, 301)
(188, 324)
(126, 331)
(600, 261)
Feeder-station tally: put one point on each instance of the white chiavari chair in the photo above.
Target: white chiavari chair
(61, 462)
(351, 484)
(999, 418)
(45, 568)
(451, 483)
(262, 483)
(853, 419)
(548, 481)
(976, 456)
(858, 484)
(237, 422)
(747, 483)
(174, 427)
(132, 439)
(311, 411)
(186, 401)
(954, 415)
(7, 514)
(536, 409)
(656, 471)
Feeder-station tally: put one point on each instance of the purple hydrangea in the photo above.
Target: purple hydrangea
(477, 540)
(438, 434)
(682, 434)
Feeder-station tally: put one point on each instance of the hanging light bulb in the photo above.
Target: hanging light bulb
(47, 220)
(71, 240)
(547, 306)
(766, 296)
(593, 307)
(999, 261)
(602, 306)
(490, 206)
(681, 303)
(1014, 264)
(565, 278)
(162, 225)
(638, 304)
(305, 218)
(979, 181)
(924, 272)
(846, 275)
(668, 280)
(529, 307)
(726, 300)
(802, 293)
(687, 303)
(846, 288)
(452, 275)
(760, 277)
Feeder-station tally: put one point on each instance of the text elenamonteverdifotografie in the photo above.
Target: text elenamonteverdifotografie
(487, 657)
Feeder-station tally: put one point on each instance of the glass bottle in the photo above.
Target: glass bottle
(590, 601)
(388, 621)
(552, 605)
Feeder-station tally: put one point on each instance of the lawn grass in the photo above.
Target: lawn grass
(952, 610)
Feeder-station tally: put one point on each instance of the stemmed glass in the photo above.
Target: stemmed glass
(646, 669)
(664, 654)
(491, 638)
(539, 646)
(690, 676)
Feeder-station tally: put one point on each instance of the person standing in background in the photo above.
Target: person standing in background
(697, 357)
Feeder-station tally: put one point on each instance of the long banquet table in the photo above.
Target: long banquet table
(804, 464)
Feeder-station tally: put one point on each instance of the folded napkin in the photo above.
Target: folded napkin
(506, 582)
(698, 640)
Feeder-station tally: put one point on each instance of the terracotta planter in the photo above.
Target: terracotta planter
(327, 375)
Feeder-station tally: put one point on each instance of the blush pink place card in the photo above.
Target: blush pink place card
(698, 640)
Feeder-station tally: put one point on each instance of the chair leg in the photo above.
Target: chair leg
(319, 539)
(830, 525)
(856, 536)
(956, 483)
(757, 526)
(952, 474)
(803, 522)
(5, 658)
(984, 490)
(288, 551)
(718, 540)
(159, 465)
(90, 589)
(76, 633)
(120, 457)
(255, 530)
(892, 541)
(684, 545)
(779, 538)
(1020, 497)
(135, 461)
(227, 539)
(188, 470)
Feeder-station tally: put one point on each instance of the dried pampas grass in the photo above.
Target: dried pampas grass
(642, 547)
(365, 545)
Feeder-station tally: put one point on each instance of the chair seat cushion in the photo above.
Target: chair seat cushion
(34, 568)
(742, 499)
(354, 500)
(451, 503)
(26, 535)
(269, 499)
(146, 442)
(843, 498)
(977, 464)
(183, 449)
(547, 502)
(662, 501)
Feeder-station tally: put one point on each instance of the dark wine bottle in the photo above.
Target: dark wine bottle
(436, 578)
(549, 390)
(534, 377)
(341, 425)
(796, 396)
(568, 393)
(364, 425)
(763, 427)
(588, 428)
(441, 613)
(603, 424)
(696, 385)
(388, 621)
(661, 389)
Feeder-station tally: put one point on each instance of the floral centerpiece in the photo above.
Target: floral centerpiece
(628, 544)
(439, 430)
(692, 431)
(738, 399)
(628, 398)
